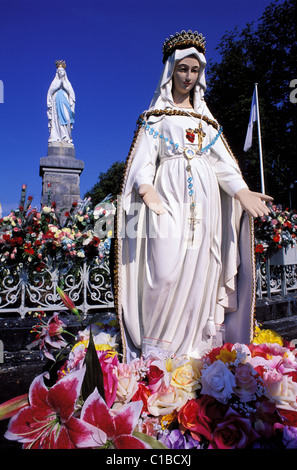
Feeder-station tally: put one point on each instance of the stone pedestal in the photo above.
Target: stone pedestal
(60, 172)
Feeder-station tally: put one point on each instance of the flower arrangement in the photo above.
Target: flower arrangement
(274, 231)
(33, 237)
(236, 396)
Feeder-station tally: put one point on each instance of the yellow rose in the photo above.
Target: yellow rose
(186, 377)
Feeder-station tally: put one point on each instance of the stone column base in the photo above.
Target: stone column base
(60, 172)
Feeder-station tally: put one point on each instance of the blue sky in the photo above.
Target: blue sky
(113, 51)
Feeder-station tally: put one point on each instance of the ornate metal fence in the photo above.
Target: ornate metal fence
(88, 286)
(276, 279)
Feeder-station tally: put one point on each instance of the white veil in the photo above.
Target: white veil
(163, 95)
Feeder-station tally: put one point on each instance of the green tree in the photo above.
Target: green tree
(265, 54)
(109, 183)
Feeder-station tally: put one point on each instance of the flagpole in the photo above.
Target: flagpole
(260, 142)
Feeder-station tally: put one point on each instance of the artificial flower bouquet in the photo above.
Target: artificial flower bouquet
(275, 231)
(33, 237)
(236, 396)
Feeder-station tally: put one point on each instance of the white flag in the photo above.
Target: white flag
(253, 118)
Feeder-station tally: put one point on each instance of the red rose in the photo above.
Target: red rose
(201, 416)
(233, 432)
(155, 376)
(259, 248)
(289, 417)
(96, 241)
(142, 394)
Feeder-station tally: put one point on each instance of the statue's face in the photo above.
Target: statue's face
(185, 75)
(61, 72)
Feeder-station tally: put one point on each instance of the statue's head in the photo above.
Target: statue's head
(61, 66)
(61, 72)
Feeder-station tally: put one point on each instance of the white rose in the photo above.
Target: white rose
(46, 209)
(127, 382)
(281, 389)
(217, 381)
(166, 400)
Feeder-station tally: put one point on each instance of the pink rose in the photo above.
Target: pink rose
(149, 426)
(246, 382)
(233, 432)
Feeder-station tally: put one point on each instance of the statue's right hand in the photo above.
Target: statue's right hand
(151, 199)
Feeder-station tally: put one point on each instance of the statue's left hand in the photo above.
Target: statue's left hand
(254, 203)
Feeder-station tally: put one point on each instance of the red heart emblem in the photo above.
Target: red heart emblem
(190, 136)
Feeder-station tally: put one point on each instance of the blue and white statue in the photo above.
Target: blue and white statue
(60, 106)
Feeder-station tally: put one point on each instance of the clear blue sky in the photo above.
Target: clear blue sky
(113, 51)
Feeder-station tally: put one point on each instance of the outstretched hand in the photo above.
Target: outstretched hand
(151, 199)
(254, 203)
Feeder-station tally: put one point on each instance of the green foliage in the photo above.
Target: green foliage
(109, 183)
(265, 54)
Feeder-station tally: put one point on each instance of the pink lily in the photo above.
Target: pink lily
(48, 421)
(108, 364)
(118, 426)
(49, 335)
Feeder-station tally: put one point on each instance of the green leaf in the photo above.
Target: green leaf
(151, 441)
(93, 377)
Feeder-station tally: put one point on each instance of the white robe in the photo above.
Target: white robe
(60, 132)
(169, 288)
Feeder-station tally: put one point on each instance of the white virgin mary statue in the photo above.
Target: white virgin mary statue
(60, 106)
(184, 247)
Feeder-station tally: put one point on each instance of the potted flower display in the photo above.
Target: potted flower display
(275, 236)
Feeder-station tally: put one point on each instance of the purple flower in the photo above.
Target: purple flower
(290, 437)
(177, 440)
